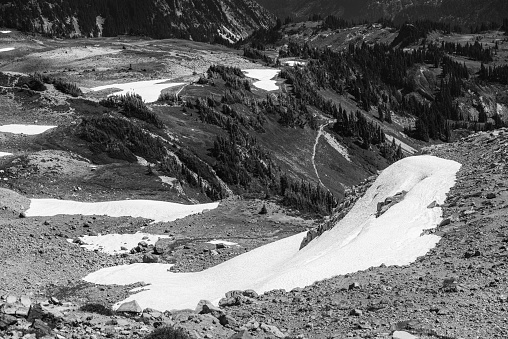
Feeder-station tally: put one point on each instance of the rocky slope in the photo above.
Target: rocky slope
(196, 20)
(458, 290)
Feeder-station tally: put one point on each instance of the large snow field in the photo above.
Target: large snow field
(359, 241)
(25, 129)
(149, 90)
(265, 76)
(159, 211)
(113, 243)
(6, 49)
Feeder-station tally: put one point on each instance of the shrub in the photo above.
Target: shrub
(168, 333)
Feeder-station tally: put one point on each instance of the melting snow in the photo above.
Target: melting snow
(359, 241)
(159, 211)
(7, 49)
(25, 129)
(265, 76)
(337, 146)
(149, 90)
(223, 242)
(113, 243)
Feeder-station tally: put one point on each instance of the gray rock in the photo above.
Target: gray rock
(130, 307)
(150, 259)
(164, 245)
(272, 330)
(206, 307)
(42, 329)
(250, 293)
(6, 321)
(11, 299)
(356, 312)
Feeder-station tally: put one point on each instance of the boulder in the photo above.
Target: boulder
(250, 294)
(206, 307)
(235, 293)
(272, 330)
(130, 307)
(41, 328)
(6, 321)
(150, 259)
(164, 245)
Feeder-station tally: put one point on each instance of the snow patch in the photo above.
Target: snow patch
(357, 242)
(222, 242)
(159, 211)
(5, 32)
(7, 49)
(265, 76)
(149, 90)
(4, 154)
(337, 146)
(113, 243)
(25, 129)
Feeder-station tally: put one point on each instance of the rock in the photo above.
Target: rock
(11, 299)
(354, 286)
(445, 221)
(227, 320)
(250, 294)
(41, 328)
(403, 335)
(235, 293)
(206, 307)
(130, 307)
(356, 312)
(490, 195)
(241, 335)
(25, 301)
(35, 312)
(142, 244)
(9, 309)
(164, 245)
(272, 330)
(226, 302)
(54, 301)
(150, 259)
(6, 321)
(471, 254)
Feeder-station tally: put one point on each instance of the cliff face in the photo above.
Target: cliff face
(206, 20)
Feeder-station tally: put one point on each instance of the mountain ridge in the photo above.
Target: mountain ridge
(212, 20)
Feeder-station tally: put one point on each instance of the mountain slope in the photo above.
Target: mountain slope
(464, 12)
(188, 19)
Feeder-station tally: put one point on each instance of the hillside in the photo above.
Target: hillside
(209, 21)
(324, 180)
(461, 12)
